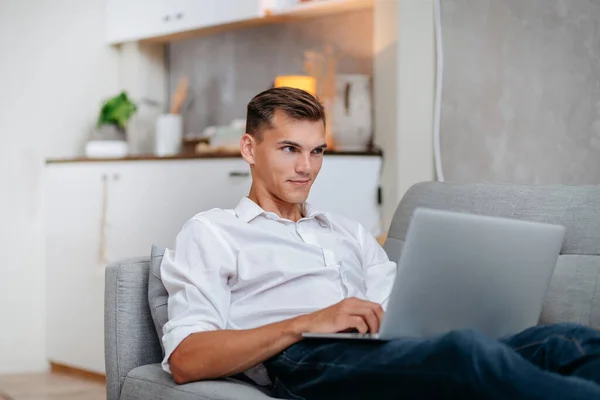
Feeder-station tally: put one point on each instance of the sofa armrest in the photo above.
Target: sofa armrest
(130, 338)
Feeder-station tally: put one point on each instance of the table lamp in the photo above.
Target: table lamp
(303, 82)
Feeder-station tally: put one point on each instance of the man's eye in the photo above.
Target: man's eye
(318, 151)
(289, 149)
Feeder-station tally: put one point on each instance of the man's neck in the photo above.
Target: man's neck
(269, 203)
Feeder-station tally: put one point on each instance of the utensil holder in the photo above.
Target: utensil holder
(169, 135)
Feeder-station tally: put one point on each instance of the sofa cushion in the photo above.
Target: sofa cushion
(150, 382)
(577, 208)
(157, 293)
(574, 293)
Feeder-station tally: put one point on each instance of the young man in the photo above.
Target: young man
(245, 283)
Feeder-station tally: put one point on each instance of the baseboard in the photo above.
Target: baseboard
(77, 372)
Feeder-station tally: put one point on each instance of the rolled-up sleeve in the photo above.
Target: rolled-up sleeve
(195, 274)
(380, 271)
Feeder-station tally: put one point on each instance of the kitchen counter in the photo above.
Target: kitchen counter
(152, 157)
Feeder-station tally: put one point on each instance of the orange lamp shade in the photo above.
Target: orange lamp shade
(303, 82)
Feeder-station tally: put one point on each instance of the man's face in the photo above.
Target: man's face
(287, 160)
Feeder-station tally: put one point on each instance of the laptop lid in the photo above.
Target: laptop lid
(465, 271)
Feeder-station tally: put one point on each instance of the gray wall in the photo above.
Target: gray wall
(521, 91)
(226, 70)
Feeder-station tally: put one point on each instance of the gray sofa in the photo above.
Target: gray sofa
(135, 303)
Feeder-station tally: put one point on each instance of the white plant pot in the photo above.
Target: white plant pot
(106, 149)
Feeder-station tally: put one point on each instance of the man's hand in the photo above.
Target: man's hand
(351, 313)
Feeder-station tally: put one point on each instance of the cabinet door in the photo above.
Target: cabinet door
(150, 201)
(185, 15)
(174, 16)
(227, 11)
(348, 186)
(74, 272)
(129, 20)
(104, 212)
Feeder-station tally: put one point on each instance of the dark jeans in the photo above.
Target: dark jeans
(545, 362)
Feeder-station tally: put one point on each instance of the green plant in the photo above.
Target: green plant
(117, 111)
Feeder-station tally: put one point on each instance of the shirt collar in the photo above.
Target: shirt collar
(311, 212)
(247, 210)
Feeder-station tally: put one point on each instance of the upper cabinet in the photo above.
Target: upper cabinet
(164, 20)
(131, 20)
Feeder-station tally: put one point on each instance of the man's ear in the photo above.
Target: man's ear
(247, 144)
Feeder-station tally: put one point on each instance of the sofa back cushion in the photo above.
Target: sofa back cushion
(157, 293)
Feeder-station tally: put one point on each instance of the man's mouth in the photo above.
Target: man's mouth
(299, 182)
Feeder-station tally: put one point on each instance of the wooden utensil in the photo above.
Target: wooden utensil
(179, 95)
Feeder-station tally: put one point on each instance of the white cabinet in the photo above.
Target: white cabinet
(129, 20)
(348, 186)
(132, 20)
(97, 213)
(75, 288)
(195, 14)
(150, 201)
(100, 212)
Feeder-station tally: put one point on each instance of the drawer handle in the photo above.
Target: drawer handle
(166, 18)
(239, 174)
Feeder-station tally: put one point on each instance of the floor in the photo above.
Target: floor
(50, 386)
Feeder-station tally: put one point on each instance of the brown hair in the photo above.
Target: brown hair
(295, 103)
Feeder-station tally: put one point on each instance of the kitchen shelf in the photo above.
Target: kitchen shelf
(319, 8)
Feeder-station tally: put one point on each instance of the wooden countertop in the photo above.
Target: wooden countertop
(192, 156)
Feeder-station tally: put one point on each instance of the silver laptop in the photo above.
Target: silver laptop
(465, 271)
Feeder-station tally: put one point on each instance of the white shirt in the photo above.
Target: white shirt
(244, 268)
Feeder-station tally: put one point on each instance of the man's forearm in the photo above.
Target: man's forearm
(208, 355)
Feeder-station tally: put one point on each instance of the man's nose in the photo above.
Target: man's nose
(303, 164)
